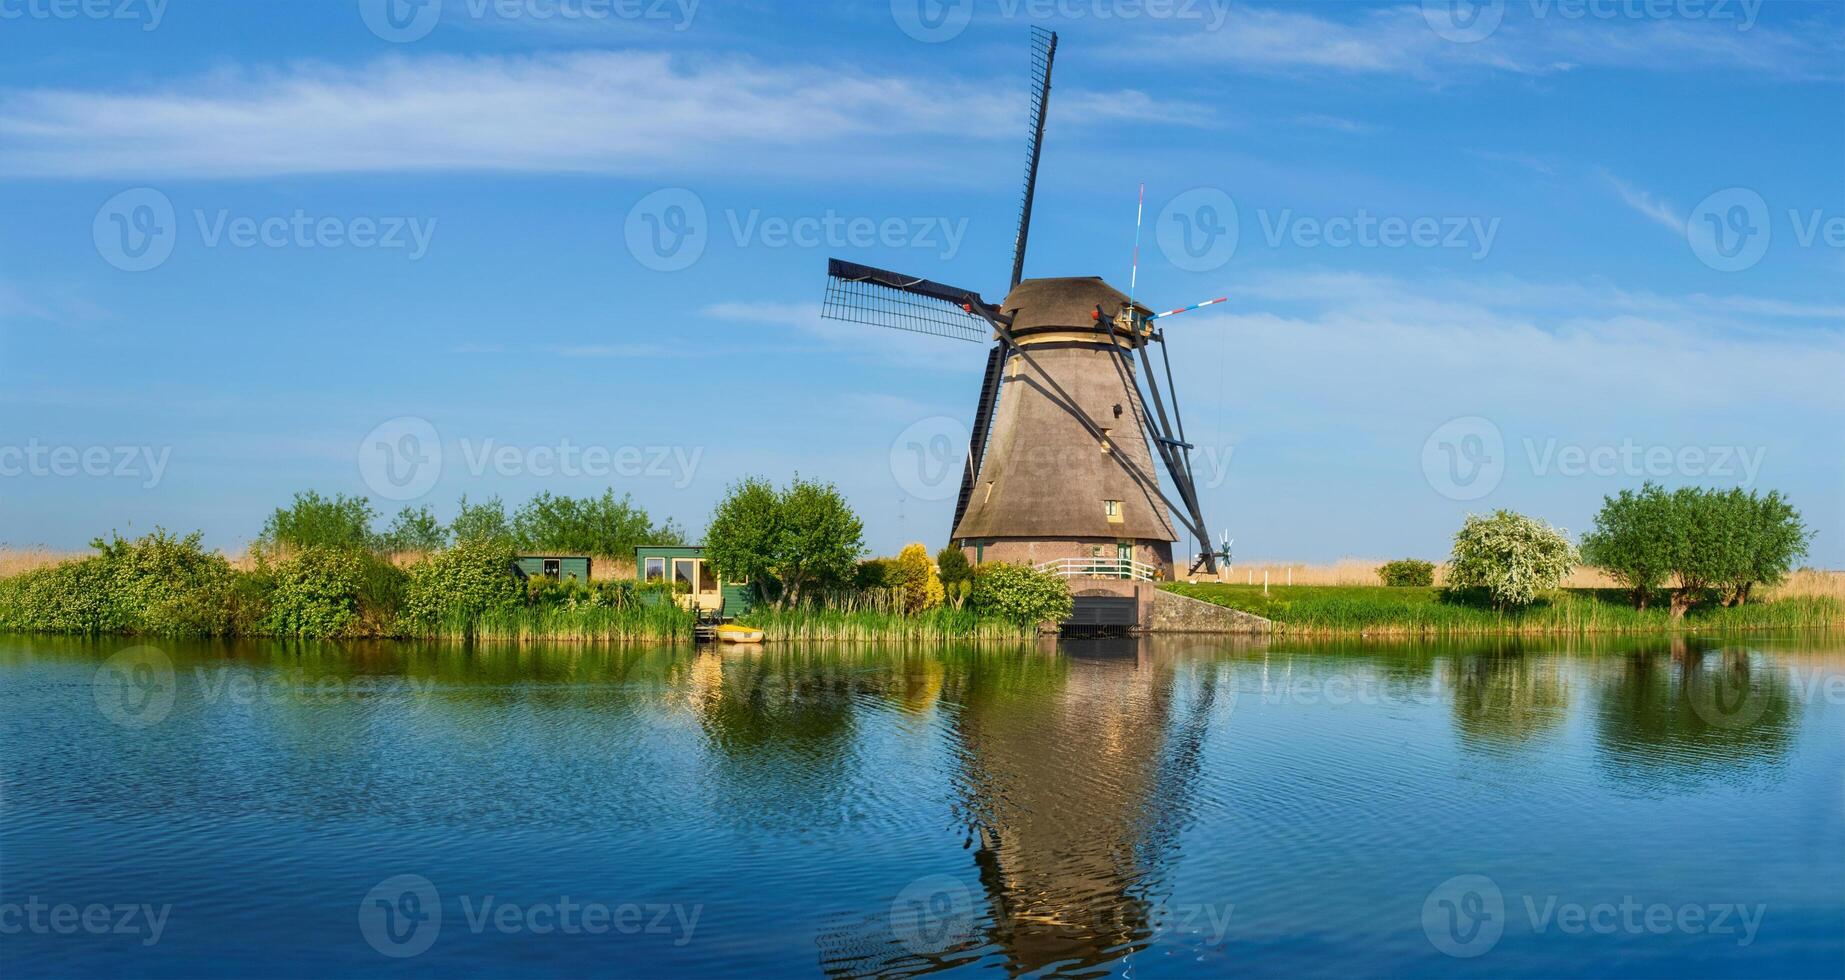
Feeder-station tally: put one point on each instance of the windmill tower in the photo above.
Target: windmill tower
(1072, 427)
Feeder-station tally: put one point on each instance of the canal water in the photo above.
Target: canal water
(1151, 808)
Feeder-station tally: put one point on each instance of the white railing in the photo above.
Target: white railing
(1122, 568)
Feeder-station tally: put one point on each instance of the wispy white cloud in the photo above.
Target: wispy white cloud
(1645, 203)
(1398, 40)
(626, 112)
(1340, 123)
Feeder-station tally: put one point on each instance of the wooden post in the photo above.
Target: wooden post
(1290, 576)
(1265, 581)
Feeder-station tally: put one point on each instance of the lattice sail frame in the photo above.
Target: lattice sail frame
(880, 298)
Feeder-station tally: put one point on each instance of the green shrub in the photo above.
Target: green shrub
(457, 586)
(1020, 594)
(414, 529)
(588, 525)
(1511, 557)
(1407, 573)
(314, 521)
(325, 592)
(874, 573)
(956, 573)
(157, 585)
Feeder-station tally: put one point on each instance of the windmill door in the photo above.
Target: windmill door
(1124, 558)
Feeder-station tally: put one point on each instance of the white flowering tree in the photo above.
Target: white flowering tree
(1513, 557)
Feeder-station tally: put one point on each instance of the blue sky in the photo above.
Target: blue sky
(1520, 255)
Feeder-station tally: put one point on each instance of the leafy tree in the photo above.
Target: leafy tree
(589, 525)
(1777, 539)
(1512, 557)
(915, 579)
(314, 521)
(1021, 594)
(414, 530)
(1407, 572)
(956, 573)
(1635, 539)
(792, 540)
(482, 522)
(819, 537)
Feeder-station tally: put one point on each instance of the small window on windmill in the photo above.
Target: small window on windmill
(1113, 509)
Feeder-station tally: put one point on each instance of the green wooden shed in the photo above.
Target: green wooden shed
(560, 567)
(685, 566)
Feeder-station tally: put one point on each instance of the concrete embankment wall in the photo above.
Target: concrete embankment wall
(1174, 613)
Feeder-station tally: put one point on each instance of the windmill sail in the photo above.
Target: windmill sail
(881, 298)
(1043, 54)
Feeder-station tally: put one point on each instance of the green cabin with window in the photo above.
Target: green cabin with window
(561, 568)
(695, 582)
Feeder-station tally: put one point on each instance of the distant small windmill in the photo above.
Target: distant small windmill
(1060, 466)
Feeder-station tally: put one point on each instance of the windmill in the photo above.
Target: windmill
(1060, 470)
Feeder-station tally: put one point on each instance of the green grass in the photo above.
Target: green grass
(1424, 610)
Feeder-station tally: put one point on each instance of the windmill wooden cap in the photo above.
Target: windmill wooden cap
(1064, 304)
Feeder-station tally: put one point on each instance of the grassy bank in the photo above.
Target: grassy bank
(1334, 609)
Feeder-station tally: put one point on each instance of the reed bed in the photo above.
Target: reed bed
(1425, 611)
(832, 623)
(639, 622)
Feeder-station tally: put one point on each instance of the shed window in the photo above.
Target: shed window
(685, 572)
(552, 568)
(653, 570)
(707, 578)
